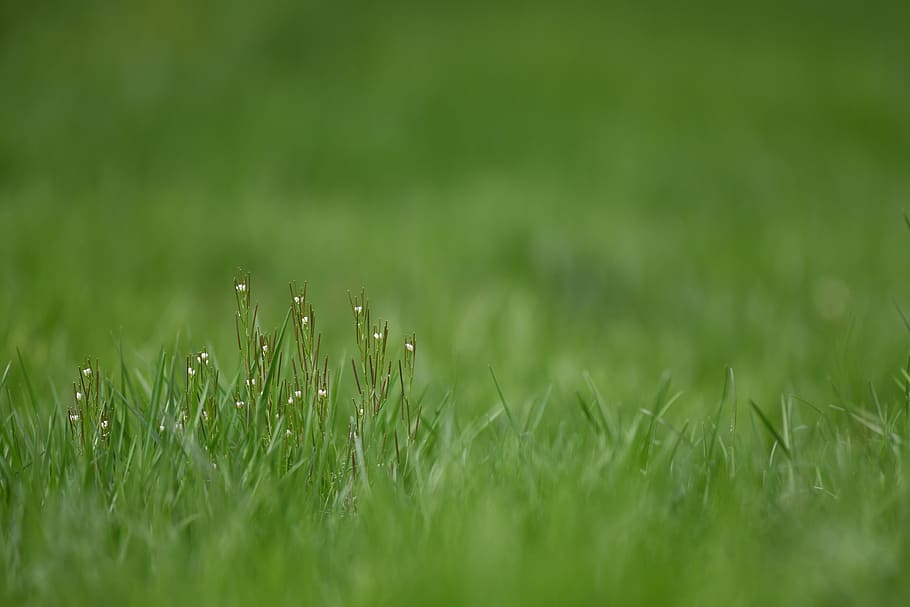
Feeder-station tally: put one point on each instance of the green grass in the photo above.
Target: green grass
(651, 256)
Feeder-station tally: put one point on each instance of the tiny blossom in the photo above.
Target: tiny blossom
(179, 425)
(296, 299)
(87, 371)
(239, 404)
(323, 392)
(241, 287)
(409, 346)
(251, 382)
(74, 417)
(361, 412)
(78, 395)
(290, 400)
(305, 320)
(104, 423)
(358, 309)
(287, 432)
(205, 415)
(204, 356)
(161, 428)
(265, 347)
(190, 371)
(298, 393)
(377, 335)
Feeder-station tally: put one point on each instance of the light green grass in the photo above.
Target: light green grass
(286, 480)
(567, 203)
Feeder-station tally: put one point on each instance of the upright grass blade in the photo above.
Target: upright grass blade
(770, 428)
(502, 401)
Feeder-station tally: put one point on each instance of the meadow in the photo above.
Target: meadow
(589, 303)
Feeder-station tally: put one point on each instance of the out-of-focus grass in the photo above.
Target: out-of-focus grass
(548, 188)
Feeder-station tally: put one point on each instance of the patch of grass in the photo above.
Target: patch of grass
(285, 477)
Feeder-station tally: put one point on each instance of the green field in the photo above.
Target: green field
(654, 258)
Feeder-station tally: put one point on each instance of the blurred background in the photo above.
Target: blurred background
(551, 188)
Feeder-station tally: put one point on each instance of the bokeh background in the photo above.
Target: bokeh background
(546, 187)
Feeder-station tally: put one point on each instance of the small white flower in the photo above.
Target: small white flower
(298, 393)
(409, 346)
(190, 371)
(205, 415)
(204, 357)
(161, 428)
(265, 348)
(214, 466)
(323, 392)
(241, 287)
(305, 321)
(251, 382)
(287, 432)
(239, 404)
(179, 425)
(87, 371)
(78, 395)
(104, 424)
(361, 412)
(358, 309)
(296, 299)
(377, 335)
(74, 417)
(290, 400)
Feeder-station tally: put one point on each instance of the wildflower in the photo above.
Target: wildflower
(239, 404)
(361, 412)
(161, 428)
(296, 299)
(87, 371)
(305, 321)
(298, 393)
(251, 382)
(203, 358)
(323, 392)
(190, 371)
(104, 424)
(288, 432)
(241, 287)
(290, 400)
(78, 395)
(265, 348)
(205, 415)
(409, 346)
(358, 309)
(179, 425)
(74, 417)
(377, 335)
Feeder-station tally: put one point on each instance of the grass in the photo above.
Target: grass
(285, 480)
(648, 258)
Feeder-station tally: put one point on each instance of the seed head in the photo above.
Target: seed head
(290, 400)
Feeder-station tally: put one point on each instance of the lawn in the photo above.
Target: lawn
(643, 268)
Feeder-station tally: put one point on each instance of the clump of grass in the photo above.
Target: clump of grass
(281, 410)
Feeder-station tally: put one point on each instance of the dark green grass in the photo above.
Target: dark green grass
(584, 198)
